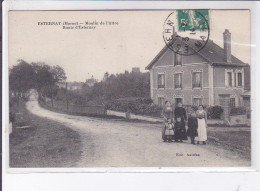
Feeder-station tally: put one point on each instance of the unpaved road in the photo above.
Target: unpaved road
(116, 143)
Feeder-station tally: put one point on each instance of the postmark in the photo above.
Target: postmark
(186, 32)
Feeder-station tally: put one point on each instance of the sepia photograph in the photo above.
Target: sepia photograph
(129, 88)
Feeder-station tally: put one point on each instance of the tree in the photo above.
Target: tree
(40, 76)
(21, 79)
(120, 86)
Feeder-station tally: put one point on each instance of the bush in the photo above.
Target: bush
(214, 112)
(238, 111)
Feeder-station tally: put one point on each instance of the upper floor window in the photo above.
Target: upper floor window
(177, 59)
(178, 80)
(197, 80)
(229, 79)
(161, 80)
(239, 79)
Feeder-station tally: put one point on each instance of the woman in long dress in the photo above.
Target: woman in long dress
(167, 114)
(202, 125)
(180, 121)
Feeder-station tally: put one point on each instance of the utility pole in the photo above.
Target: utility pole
(51, 97)
(67, 101)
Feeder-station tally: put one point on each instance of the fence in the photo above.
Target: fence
(60, 106)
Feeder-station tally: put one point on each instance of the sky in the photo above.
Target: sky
(133, 42)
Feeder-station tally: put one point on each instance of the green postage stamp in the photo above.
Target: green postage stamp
(193, 20)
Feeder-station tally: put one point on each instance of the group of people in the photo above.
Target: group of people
(176, 121)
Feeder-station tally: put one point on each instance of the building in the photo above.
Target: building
(74, 85)
(212, 76)
(136, 70)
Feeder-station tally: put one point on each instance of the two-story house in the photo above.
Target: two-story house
(201, 78)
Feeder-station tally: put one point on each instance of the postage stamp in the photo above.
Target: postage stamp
(186, 32)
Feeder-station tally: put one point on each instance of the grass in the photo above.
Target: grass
(237, 140)
(45, 144)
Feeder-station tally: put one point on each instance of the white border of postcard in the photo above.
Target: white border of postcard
(42, 5)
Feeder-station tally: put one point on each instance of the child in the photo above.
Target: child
(192, 131)
(169, 133)
(180, 131)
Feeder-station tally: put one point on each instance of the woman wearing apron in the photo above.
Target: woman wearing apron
(202, 125)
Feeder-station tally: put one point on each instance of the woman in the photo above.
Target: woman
(180, 117)
(180, 112)
(167, 114)
(202, 125)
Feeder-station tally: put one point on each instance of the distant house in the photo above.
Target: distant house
(136, 70)
(90, 82)
(74, 85)
(207, 77)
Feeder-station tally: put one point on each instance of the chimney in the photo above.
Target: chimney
(227, 45)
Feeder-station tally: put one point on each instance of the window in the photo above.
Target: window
(197, 101)
(178, 80)
(177, 59)
(229, 79)
(161, 81)
(197, 80)
(239, 79)
(232, 102)
(178, 100)
(161, 101)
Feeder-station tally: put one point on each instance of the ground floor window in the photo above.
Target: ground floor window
(197, 101)
(178, 100)
(232, 102)
(161, 101)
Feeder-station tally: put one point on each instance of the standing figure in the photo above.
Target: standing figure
(202, 125)
(192, 131)
(180, 112)
(167, 114)
(180, 131)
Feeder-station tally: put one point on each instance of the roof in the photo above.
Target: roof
(213, 53)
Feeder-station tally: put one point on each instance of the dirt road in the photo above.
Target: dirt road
(117, 143)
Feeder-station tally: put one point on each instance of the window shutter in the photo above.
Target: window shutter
(233, 79)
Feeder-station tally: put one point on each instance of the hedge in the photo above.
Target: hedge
(238, 111)
(145, 106)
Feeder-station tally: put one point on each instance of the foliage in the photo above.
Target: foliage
(40, 76)
(214, 112)
(21, 77)
(133, 84)
(141, 106)
(238, 111)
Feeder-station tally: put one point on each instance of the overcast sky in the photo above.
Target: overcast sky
(111, 48)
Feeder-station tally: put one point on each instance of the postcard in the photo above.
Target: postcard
(129, 88)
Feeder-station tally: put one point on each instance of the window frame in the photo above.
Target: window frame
(237, 79)
(201, 79)
(175, 100)
(198, 98)
(229, 80)
(174, 80)
(232, 102)
(158, 85)
(175, 59)
(161, 103)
